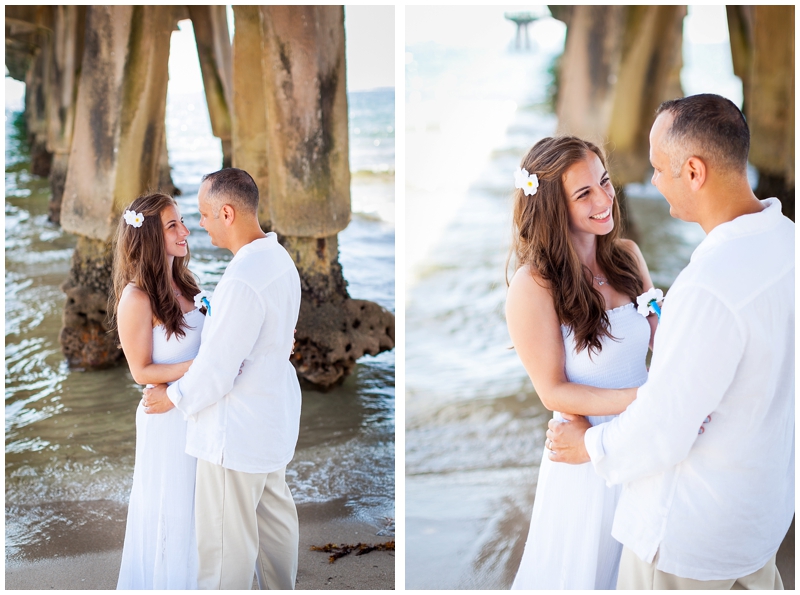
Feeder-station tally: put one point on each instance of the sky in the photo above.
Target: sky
(369, 42)
(479, 27)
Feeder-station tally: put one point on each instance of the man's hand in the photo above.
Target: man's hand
(565, 439)
(155, 399)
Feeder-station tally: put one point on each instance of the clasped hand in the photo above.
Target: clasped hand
(565, 439)
(155, 399)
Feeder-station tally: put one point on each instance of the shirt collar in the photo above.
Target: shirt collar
(256, 246)
(744, 225)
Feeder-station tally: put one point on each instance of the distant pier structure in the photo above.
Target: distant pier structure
(522, 20)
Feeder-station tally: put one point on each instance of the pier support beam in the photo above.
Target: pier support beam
(762, 47)
(309, 185)
(210, 25)
(36, 92)
(29, 57)
(118, 136)
(84, 336)
(67, 54)
(249, 116)
(333, 330)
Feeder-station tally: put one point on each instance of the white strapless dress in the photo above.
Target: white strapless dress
(569, 544)
(160, 550)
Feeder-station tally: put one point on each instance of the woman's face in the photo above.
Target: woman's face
(590, 197)
(175, 232)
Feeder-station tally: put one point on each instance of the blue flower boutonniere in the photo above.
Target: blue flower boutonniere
(201, 300)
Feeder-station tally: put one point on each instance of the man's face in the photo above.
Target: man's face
(675, 190)
(213, 225)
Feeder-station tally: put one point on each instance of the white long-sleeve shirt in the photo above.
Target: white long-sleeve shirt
(248, 422)
(714, 505)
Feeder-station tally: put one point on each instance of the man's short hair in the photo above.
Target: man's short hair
(234, 187)
(707, 126)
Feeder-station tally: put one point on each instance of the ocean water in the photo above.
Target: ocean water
(70, 435)
(475, 428)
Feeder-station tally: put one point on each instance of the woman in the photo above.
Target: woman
(159, 329)
(574, 324)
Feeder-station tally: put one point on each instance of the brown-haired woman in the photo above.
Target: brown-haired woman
(573, 321)
(159, 329)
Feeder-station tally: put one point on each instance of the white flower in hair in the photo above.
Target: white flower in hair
(133, 218)
(529, 183)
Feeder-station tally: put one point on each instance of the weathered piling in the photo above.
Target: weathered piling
(115, 154)
(210, 25)
(249, 121)
(619, 64)
(309, 185)
(762, 47)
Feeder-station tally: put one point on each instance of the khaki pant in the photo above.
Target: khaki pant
(246, 522)
(635, 574)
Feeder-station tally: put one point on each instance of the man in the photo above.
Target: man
(241, 397)
(707, 510)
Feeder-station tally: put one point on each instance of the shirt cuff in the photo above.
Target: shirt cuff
(174, 394)
(593, 440)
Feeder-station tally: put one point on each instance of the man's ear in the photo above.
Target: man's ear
(697, 171)
(228, 214)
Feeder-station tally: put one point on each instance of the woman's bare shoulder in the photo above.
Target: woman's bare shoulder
(634, 250)
(631, 247)
(134, 301)
(529, 286)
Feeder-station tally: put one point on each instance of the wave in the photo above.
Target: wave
(382, 171)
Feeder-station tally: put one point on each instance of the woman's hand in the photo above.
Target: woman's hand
(155, 399)
(565, 439)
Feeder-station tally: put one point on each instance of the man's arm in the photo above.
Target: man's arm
(697, 353)
(235, 326)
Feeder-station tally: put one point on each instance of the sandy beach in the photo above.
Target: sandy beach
(96, 551)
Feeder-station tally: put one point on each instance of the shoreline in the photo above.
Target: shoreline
(46, 567)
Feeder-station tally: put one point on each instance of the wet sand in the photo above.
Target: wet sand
(95, 565)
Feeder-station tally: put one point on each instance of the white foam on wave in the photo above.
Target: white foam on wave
(355, 471)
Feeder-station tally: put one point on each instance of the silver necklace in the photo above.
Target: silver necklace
(600, 280)
(177, 293)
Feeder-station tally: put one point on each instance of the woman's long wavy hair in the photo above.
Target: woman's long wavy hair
(541, 239)
(140, 256)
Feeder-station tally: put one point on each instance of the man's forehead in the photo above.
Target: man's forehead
(662, 123)
(202, 193)
(659, 130)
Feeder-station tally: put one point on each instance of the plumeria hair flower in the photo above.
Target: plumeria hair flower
(647, 303)
(529, 183)
(133, 218)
